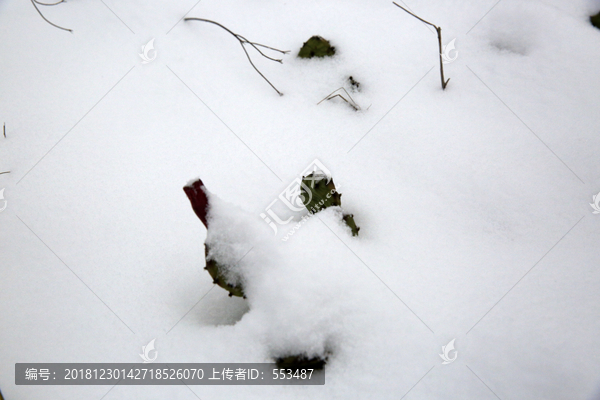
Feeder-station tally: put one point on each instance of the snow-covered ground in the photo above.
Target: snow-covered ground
(473, 202)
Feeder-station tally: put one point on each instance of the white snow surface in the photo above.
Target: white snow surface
(473, 202)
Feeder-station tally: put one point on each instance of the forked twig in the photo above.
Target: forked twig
(350, 102)
(439, 35)
(35, 3)
(255, 45)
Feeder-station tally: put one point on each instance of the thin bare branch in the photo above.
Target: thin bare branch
(255, 45)
(266, 47)
(439, 35)
(444, 82)
(343, 98)
(244, 40)
(45, 19)
(48, 4)
(6, 172)
(416, 16)
(351, 103)
(260, 73)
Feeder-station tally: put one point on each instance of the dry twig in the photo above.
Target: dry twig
(48, 4)
(35, 4)
(243, 41)
(350, 102)
(439, 35)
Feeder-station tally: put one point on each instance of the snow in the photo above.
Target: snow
(473, 202)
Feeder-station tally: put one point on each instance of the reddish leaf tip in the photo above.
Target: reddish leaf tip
(196, 193)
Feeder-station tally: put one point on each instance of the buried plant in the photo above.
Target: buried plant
(317, 193)
(354, 84)
(301, 361)
(197, 194)
(316, 46)
(595, 20)
(322, 194)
